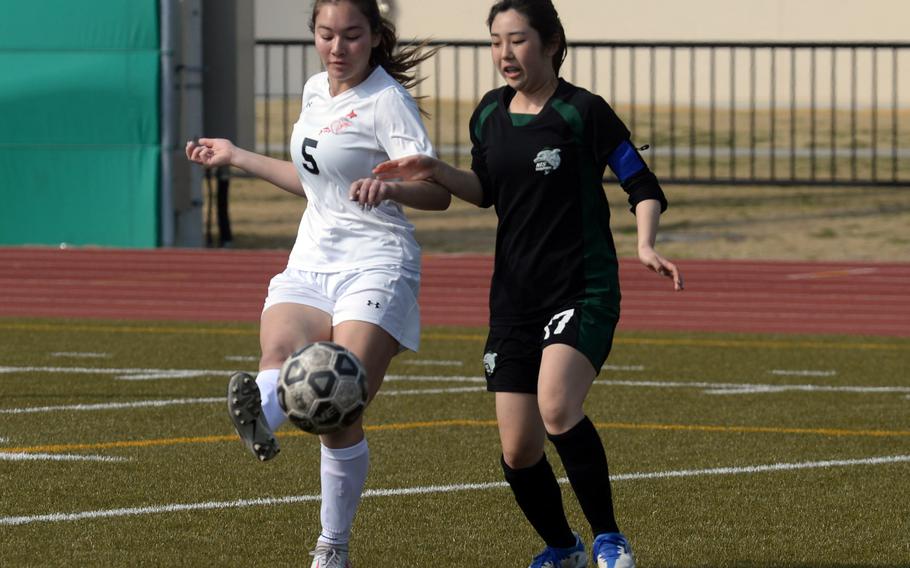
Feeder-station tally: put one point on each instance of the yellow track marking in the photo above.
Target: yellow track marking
(122, 444)
(163, 442)
(832, 273)
(126, 329)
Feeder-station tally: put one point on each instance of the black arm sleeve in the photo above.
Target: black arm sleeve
(644, 185)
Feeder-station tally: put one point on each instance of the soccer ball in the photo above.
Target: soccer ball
(322, 388)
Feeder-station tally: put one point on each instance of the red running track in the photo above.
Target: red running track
(855, 298)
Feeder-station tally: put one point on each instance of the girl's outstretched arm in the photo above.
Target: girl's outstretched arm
(463, 184)
(215, 152)
(419, 194)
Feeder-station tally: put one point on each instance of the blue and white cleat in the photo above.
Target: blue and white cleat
(612, 550)
(571, 557)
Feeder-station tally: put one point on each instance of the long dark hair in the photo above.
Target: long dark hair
(397, 62)
(542, 16)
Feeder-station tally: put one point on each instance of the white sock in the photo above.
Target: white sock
(267, 381)
(343, 473)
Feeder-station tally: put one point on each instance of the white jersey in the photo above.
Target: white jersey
(336, 141)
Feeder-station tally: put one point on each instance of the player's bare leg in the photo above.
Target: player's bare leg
(252, 405)
(345, 454)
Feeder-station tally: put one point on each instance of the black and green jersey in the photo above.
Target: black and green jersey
(543, 173)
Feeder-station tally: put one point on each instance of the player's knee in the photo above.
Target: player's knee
(520, 460)
(520, 456)
(344, 438)
(559, 417)
(274, 356)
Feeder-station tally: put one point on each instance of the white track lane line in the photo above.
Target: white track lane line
(242, 503)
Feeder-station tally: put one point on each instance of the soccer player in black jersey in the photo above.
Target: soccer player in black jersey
(540, 148)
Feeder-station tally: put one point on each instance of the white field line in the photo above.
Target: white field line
(802, 373)
(210, 400)
(707, 387)
(142, 374)
(743, 388)
(434, 363)
(430, 489)
(433, 379)
(78, 354)
(112, 405)
(431, 391)
(123, 374)
(58, 457)
(241, 358)
(623, 368)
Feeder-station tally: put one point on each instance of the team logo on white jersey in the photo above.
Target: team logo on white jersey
(547, 160)
(339, 124)
(489, 362)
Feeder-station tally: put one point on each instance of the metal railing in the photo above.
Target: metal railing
(711, 112)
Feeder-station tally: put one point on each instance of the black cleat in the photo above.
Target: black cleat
(245, 410)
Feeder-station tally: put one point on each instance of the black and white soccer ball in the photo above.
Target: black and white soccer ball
(322, 388)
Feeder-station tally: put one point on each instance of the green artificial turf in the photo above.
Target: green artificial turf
(721, 488)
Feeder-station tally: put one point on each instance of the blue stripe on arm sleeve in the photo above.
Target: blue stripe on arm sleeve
(625, 161)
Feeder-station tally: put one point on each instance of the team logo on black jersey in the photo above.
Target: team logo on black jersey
(489, 362)
(547, 160)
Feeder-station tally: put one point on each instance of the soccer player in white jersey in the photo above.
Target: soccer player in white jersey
(354, 272)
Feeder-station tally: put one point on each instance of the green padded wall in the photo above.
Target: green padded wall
(79, 127)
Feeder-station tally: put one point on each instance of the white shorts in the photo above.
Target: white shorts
(385, 296)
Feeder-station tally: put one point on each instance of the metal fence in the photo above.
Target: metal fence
(711, 113)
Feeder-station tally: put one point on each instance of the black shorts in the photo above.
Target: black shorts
(512, 354)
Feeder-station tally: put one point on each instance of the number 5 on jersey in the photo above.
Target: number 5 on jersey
(558, 323)
(309, 162)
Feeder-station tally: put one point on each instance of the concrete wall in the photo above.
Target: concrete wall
(282, 19)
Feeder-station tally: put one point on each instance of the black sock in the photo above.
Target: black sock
(583, 457)
(540, 499)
